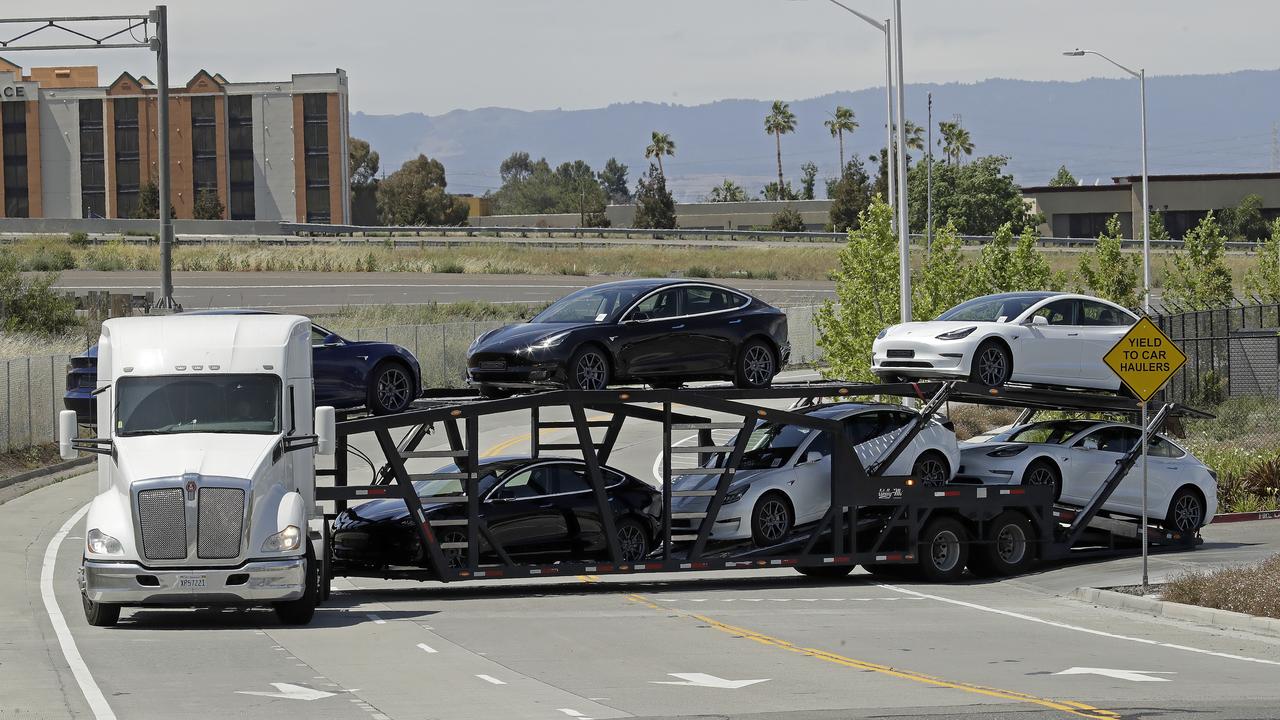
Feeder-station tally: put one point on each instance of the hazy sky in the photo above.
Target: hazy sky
(434, 55)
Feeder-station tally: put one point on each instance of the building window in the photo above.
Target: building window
(204, 145)
(315, 147)
(240, 153)
(13, 123)
(93, 179)
(125, 121)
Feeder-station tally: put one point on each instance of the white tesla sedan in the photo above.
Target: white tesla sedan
(784, 478)
(1030, 337)
(1075, 457)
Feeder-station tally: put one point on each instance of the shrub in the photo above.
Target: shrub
(31, 305)
(1251, 589)
(447, 266)
(79, 239)
(698, 271)
(787, 220)
(50, 258)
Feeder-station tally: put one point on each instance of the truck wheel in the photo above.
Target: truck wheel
(944, 550)
(300, 611)
(826, 572)
(1009, 548)
(99, 614)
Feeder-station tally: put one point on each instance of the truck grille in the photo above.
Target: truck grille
(220, 523)
(162, 516)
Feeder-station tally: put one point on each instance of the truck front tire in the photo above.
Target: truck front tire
(300, 611)
(99, 614)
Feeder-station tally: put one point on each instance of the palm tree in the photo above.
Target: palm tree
(778, 122)
(840, 123)
(948, 140)
(914, 134)
(662, 144)
(963, 143)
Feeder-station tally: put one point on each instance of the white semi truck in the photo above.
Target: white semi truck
(206, 473)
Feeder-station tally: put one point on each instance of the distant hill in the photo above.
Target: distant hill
(1197, 123)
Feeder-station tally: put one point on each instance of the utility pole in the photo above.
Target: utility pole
(160, 44)
(904, 229)
(928, 175)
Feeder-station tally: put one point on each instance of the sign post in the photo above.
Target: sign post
(1144, 360)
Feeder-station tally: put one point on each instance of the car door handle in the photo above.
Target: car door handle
(677, 327)
(735, 322)
(1072, 334)
(546, 506)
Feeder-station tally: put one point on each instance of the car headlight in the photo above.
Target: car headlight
(101, 543)
(880, 335)
(287, 539)
(957, 334)
(548, 342)
(476, 342)
(1007, 451)
(735, 494)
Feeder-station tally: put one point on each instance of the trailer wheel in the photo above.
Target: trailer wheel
(99, 614)
(300, 611)
(944, 550)
(771, 519)
(826, 572)
(1009, 548)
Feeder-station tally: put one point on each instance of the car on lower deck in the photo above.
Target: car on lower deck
(658, 331)
(784, 478)
(1076, 456)
(538, 509)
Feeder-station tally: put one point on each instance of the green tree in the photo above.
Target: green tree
(1245, 221)
(978, 197)
(881, 186)
(148, 207)
(517, 166)
(208, 206)
(1199, 276)
(841, 122)
(914, 135)
(850, 196)
(941, 282)
(866, 295)
(787, 220)
(772, 191)
(1263, 279)
(808, 178)
(1028, 267)
(1158, 230)
(655, 208)
(659, 145)
(727, 191)
(955, 141)
(1107, 272)
(415, 195)
(362, 161)
(30, 304)
(993, 272)
(613, 178)
(777, 123)
(1063, 178)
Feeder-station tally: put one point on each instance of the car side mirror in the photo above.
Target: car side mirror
(1037, 320)
(331, 340)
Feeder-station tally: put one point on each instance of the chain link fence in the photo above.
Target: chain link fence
(1231, 352)
(33, 386)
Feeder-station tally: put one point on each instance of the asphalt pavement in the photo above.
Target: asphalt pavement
(315, 292)
(758, 644)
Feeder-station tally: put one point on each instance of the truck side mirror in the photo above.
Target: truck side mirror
(66, 433)
(326, 431)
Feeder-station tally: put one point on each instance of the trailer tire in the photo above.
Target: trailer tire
(300, 611)
(826, 572)
(1009, 548)
(99, 614)
(771, 519)
(944, 550)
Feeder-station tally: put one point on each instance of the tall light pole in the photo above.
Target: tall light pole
(1141, 75)
(904, 227)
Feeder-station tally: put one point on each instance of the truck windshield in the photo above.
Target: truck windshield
(170, 404)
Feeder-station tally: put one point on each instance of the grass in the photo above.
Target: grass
(22, 345)
(1251, 589)
(31, 458)
(375, 316)
(1242, 445)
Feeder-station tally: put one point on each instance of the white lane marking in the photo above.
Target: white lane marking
(1077, 628)
(705, 680)
(427, 648)
(1130, 675)
(92, 693)
(572, 713)
(376, 619)
(491, 679)
(289, 691)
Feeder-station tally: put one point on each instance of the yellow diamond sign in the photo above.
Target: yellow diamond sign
(1145, 359)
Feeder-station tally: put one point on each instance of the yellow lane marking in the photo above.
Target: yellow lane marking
(1071, 707)
(525, 437)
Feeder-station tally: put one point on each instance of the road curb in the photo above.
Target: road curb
(1177, 611)
(23, 483)
(1246, 516)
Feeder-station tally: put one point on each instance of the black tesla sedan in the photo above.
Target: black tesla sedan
(662, 332)
(539, 510)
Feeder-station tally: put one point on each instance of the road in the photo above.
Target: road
(312, 292)
(768, 645)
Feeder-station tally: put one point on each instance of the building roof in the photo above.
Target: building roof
(1126, 182)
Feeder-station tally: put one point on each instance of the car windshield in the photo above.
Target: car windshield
(992, 308)
(591, 305)
(447, 488)
(770, 445)
(173, 404)
(1050, 432)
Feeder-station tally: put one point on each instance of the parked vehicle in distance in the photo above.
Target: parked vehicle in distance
(1044, 338)
(1075, 457)
(662, 332)
(541, 509)
(381, 376)
(784, 478)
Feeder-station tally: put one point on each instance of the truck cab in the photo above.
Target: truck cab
(206, 472)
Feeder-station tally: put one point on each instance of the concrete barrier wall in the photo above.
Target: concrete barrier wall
(63, 226)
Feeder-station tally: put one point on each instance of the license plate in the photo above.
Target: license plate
(191, 582)
(493, 364)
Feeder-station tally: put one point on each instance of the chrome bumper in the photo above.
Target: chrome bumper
(128, 583)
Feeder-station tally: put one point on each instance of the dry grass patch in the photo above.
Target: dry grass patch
(1251, 589)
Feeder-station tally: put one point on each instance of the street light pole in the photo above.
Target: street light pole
(904, 228)
(160, 16)
(1141, 75)
(928, 213)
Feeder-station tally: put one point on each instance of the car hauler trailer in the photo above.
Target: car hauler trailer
(206, 474)
(889, 524)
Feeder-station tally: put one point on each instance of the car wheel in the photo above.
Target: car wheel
(633, 540)
(756, 365)
(589, 369)
(1186, 511)
(771, 519)
(826, 572)
(390, 388)
(1043, 472)
(944, 550)
(931, 469)
(99, 614)
(992, 365)
(1009, 547)
(456, 555)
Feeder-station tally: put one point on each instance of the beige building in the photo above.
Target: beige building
(1082, 211)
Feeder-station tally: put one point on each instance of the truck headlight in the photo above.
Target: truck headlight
(287, 539)
(735, 494)
(101, 543)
